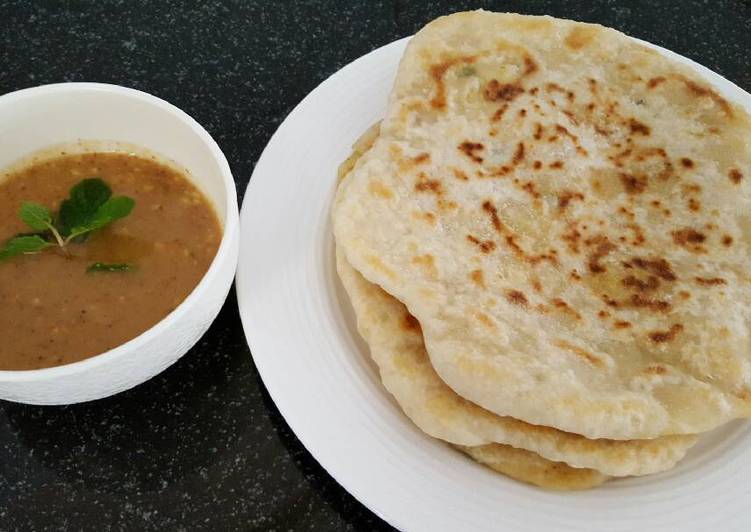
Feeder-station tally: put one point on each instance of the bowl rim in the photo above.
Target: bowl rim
(223, 253)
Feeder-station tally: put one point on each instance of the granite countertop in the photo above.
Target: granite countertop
(202, 446)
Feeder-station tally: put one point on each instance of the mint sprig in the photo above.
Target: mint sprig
(89, 207)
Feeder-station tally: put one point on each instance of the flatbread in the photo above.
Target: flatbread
(567, 214)
(531, 468)
(397, 347)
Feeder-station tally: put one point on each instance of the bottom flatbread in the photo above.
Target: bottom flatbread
(531, 468)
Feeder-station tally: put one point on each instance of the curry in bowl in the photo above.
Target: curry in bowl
(95, 249)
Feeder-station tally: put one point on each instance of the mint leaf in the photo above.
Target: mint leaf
(80, 208)
(36, 216)
(104, 267)
(23, 244)
(111, 210)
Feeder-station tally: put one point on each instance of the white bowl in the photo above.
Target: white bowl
(33, 119)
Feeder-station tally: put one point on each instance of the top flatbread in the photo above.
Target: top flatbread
(566, 213)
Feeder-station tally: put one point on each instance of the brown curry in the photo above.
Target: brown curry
(52, 311)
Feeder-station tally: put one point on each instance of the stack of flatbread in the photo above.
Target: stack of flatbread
(545, 244)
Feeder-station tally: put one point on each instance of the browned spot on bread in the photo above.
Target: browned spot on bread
(478, 278)
(700, 91)
(502, 171)
(575, 275)
(603, 314)
(529, 188)
(691, 188)
(556, 165)
(657, 369)
(744, 394)
(460, 175)
(621, 324)
(571, 117)
(572, 236)
(735, 175)
(437, 72)
(516, 297)
(563, 131)
(537, 286)
(518, 154)
(537, 165)
(686, 162)
(376, 188)
(565, 197)
(609, 301)
(561, 305)
(633, 184)
(602, 247)
(583, 353)
(727, 240)
(444, 205)
(422, 158)
(639, 237)
(410, 323)
(499, 113)
(694, 204)
(486, 246)
(638, 128)
(429, 185)
(532, 259)
(469, 148)
(485, 320)
(530, 66)
(495, 91)
(407, 164)
(424, 215)
(656, 266)
(538, 131)
(579, 37)
(378, 265)
(689, 239)
(710, 281)
(666, 336)
(427, 262)
(618, 158)
(592, 83)
(489, 208)
(633, 282)
(656, 305)
(522, 113)
(652, 83)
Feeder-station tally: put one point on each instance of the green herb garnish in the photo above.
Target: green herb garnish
(104, 267)
(90, 207)
(467, 71)
(23, 245)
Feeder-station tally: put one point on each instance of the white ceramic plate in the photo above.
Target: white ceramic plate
(301, 332)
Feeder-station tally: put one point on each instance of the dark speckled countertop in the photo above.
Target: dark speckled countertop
(202, 446)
